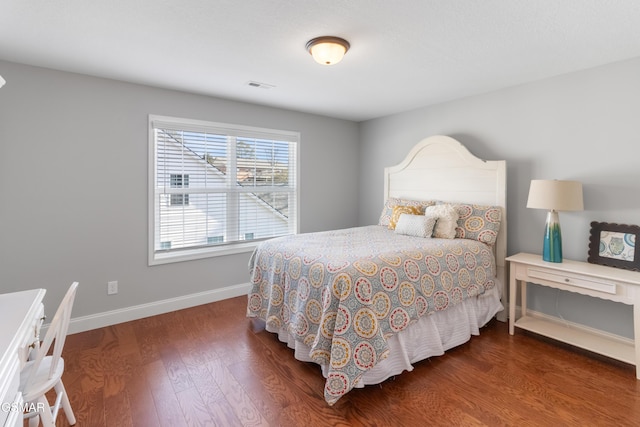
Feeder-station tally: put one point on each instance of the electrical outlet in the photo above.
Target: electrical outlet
(112, 287)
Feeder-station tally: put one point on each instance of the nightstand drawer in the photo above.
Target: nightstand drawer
(574, 280)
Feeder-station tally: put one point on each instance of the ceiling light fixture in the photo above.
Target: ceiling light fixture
(328, 50)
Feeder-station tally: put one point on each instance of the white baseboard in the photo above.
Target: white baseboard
(113, 317)
(108, 318)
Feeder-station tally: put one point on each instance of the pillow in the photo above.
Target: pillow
(447, 216)
(415, 225)
(387, 209)
(478, 222)
(399, 210)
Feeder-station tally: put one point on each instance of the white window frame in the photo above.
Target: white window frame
(163, 257)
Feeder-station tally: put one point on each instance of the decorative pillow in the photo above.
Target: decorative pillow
(478, 222)
(447, 220)
(415, 225)
(399, 210)
(387, 209)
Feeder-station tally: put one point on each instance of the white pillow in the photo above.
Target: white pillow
(447, 216)
(415, 225)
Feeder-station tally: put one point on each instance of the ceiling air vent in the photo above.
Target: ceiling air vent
(260, 85)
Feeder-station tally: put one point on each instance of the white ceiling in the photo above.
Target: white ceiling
(404, 54)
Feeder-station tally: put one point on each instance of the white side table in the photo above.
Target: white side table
(597, 281)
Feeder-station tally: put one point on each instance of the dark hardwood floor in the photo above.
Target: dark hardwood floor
(209, 365)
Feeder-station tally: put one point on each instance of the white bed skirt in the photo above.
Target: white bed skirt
(429, 336)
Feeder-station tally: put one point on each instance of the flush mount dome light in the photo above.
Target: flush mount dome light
(327, 50)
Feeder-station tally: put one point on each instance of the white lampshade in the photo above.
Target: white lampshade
(2, 82)
(328, 50)
(552, 194)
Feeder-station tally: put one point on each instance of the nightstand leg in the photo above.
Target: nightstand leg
(523, 298)
(512, 301)
(636, 334)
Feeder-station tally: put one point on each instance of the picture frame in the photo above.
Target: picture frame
(614, 245)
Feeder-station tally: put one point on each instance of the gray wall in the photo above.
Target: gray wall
(73, 176)
(583, 126)
(73, 185)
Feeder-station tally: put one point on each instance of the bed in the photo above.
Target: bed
(366, 303)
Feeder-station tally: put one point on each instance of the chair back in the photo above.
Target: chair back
(56, 335)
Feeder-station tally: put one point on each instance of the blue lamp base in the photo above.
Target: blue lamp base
(552, 247)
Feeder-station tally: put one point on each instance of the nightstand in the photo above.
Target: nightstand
(622, 286)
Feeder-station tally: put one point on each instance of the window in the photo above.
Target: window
(217, 189)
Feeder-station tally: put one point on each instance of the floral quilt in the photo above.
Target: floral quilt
(344, 292)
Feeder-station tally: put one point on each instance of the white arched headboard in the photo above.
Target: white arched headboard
(441, 168)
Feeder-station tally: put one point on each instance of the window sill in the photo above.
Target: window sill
(194, 254)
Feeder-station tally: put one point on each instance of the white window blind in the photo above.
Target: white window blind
(216, 187)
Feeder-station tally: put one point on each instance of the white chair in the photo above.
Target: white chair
(44, 372)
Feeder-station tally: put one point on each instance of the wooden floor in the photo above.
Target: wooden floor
(209, 365)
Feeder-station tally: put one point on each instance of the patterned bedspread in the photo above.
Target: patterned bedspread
(344, 292)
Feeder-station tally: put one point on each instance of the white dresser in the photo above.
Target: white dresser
(21, 315)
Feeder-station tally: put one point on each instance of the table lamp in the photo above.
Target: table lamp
(555, 196)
